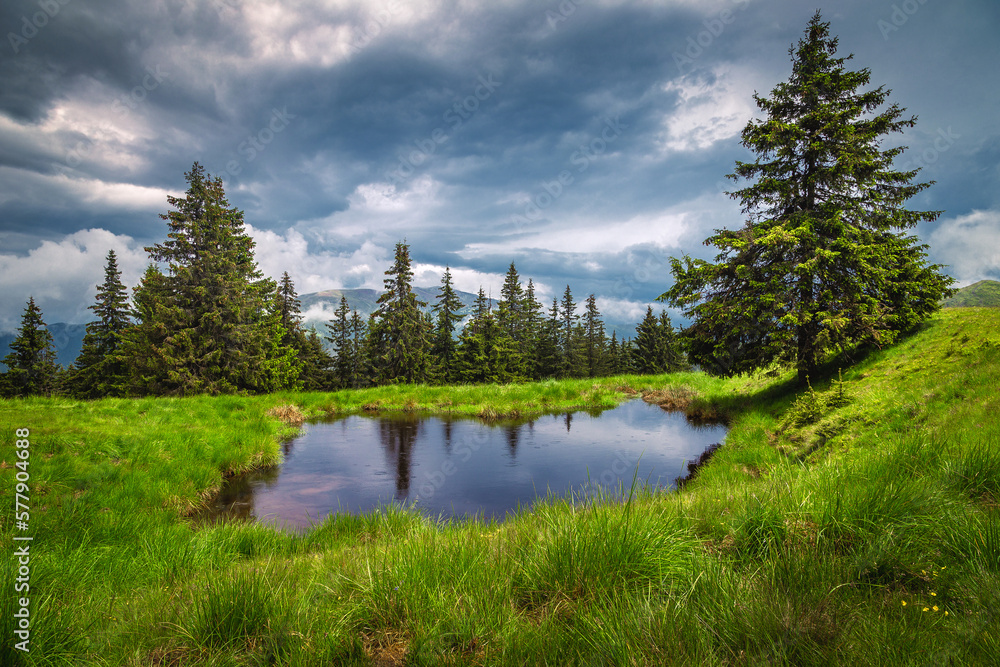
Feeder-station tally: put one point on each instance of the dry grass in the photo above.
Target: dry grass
(671, 398)
(287, 413)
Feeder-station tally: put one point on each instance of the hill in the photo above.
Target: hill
(985, 293)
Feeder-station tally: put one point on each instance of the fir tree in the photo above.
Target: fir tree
(448, 309)
(568, 343)
(547, 357)
(344, 362)
(358, 372)
(487, 353)
(823, 260)
(532, 323)
(649, 349)
(100, 369)
(312, 357)
(510, 314)
(399, 333)
(31, 364)
(141, 343)
(594, 339)
(214, 325)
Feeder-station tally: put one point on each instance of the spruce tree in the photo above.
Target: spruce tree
(210, 325)
(142, 342)
(359, 372)
(448, 310)
(400, 336)
(510, 314)
(546, 352)
(594, 339)
(487, 353)
(650, 353)
(31, 364)
(340, 339)
(100, 369)
(313, 359)
(568, 343)
(823, 260)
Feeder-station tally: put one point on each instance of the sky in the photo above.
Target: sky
(585, 140)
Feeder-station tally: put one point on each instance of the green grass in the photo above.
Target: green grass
(817, 535)
(983, 294)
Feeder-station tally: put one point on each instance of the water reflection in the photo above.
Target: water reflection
(459, 467)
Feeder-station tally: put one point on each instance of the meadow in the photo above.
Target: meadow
(856, 521)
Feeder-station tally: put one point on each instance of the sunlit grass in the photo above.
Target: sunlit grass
(795, 545)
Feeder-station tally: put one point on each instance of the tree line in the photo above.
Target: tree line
(822, 265)
(210, 322)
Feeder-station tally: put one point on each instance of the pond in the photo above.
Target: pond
(458, 467)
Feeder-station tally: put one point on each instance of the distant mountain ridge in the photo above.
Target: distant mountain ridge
(365, 301)
(984, 294)
(67, 339)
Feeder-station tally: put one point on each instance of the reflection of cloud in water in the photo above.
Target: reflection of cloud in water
(310, 485)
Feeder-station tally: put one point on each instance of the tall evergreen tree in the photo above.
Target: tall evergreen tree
(487, 353)
(340, 339)
(594, 339)
(823, 260)
(546, 352)
(398, 332)
(568, 343)
(100, 369)
(532, 317)
(289, 306)
(510, 314)
(214, 325)
(31, 364)
(312, 357)
(650, 351)
(448, 310)
(358, 373)
(673, 359)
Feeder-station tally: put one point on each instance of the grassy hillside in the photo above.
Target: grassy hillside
(857, 522)
(985, 293)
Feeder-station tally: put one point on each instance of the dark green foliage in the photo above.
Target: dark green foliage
(314, 360)
(210, 323)
(343, 350)
(510, 314)
(100, 369)
(444, 346)
(657, 348)
(570, 361)
(594, 340)
(487, 353)
(545, 363)
(823, 260)
(31, 365)
(398, 334)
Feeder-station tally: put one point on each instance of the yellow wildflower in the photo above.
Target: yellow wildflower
(933, 595)
(935, 607)
(904, 603)
(925, 608)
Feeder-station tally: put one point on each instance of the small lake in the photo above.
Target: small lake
(456, 467)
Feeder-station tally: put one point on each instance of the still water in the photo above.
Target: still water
(455, 467)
